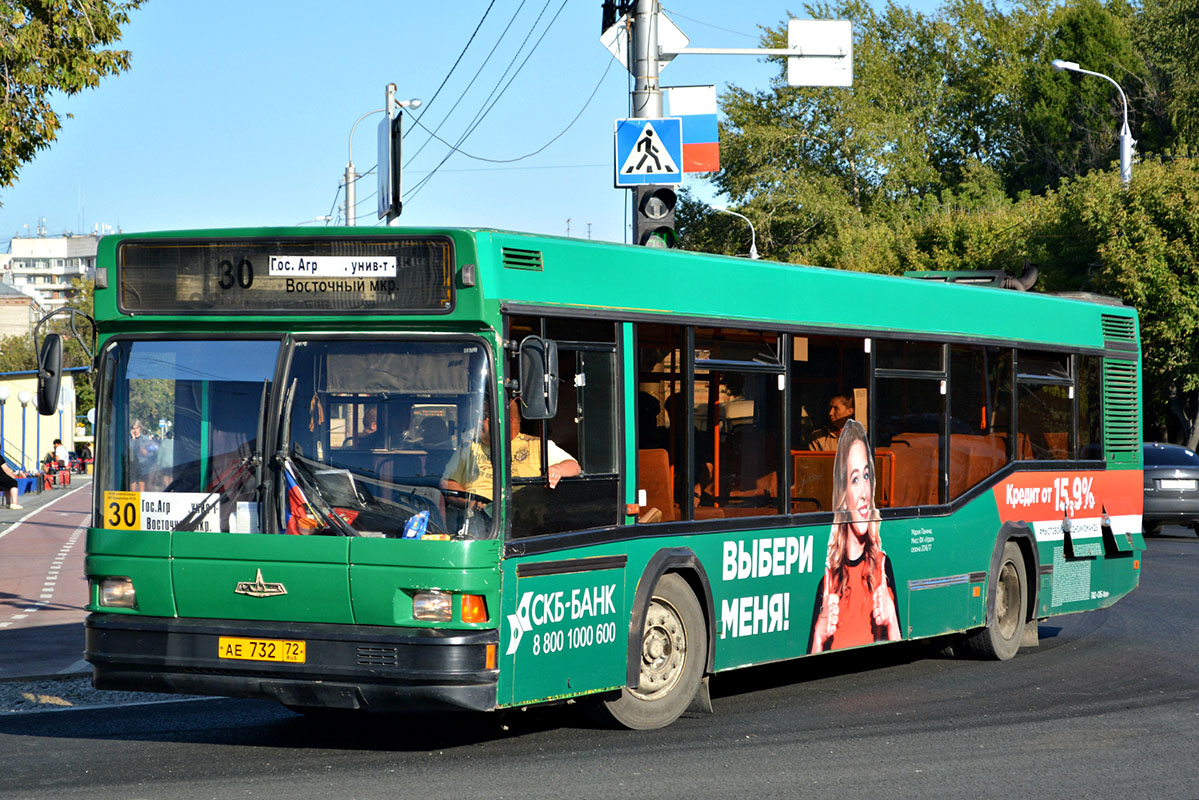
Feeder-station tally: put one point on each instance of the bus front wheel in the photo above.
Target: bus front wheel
(674, 647)
(1005, 629)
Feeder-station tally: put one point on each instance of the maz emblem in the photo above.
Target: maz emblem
(258, 588)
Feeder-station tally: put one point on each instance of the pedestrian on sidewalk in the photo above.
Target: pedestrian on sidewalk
(8, 483)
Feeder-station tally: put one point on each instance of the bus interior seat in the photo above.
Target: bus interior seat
(656, 477)
(917, 459)
(434, 434)
(974, 458)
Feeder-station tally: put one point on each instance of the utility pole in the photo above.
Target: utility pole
(647, 95)
(636, 32)
(653, 204)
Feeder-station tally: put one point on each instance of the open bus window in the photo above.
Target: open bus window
(374, 427)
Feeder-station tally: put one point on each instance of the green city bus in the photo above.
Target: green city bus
(702, 463)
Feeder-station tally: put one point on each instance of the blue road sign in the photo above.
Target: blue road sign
(649, 151)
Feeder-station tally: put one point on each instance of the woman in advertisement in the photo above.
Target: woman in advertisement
(855, 601)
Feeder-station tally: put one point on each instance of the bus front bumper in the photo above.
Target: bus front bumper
(345, 666)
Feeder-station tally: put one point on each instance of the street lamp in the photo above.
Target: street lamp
(24, 397)
(753, 236)
(351, 176)
(1125, 135)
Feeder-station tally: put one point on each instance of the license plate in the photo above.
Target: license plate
(283, 650)
(1178, 483)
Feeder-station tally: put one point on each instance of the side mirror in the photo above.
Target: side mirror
(538, 378)
(49, 374)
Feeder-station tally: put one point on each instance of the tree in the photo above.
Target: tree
(48, 46)
(1065, 124)
(74, 354)
(1167, 32)
(1147, 252)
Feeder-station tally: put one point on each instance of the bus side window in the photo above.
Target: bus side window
(828, 373)
(584, 428)
(979, 414)
(1044, 404)
(909, 411)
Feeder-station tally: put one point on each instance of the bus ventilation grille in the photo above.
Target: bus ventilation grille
(1122, 329)
(378, 657)
(1122, 428)
(515, 258)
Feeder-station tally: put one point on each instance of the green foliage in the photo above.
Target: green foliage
(1147, 243)
(16, 354)
(1167, 32)
(74, 354)
(51, 46)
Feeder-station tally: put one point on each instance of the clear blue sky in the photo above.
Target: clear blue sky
(238, 112)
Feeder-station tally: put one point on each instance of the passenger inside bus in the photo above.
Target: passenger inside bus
(840, 411)
(469, 473)
(370, 437)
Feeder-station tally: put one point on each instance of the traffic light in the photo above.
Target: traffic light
(653, 218)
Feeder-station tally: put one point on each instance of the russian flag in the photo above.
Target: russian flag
(298, 516)
(696, 106)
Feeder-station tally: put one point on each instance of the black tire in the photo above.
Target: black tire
(674, 649)
(1001, 638)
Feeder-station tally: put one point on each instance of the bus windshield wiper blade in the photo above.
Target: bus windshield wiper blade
(231, 479)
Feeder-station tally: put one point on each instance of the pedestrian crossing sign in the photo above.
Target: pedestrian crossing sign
(649, 151)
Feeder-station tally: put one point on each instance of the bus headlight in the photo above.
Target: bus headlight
(117, 593)
(434, 606)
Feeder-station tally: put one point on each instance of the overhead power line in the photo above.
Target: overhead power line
(483, 112)
(475, 77)
(558, 136)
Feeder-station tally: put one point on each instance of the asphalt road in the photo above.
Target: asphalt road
(1107, 706)
(42, 586)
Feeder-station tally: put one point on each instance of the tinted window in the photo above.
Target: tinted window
(1170, 456)
(979, 410)
(908, 355)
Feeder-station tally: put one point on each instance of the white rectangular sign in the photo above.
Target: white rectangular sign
(822, 52)
(162, 511)
(332, 266)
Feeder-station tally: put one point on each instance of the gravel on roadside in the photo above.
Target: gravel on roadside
(58, 694)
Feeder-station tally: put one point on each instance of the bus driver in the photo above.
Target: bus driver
(470, 469)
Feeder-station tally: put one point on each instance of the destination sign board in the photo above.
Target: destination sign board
(410, 274)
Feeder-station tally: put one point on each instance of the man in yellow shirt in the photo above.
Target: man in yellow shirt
(470, 469)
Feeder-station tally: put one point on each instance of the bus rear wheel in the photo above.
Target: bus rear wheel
(674, 647)
(1001, 638)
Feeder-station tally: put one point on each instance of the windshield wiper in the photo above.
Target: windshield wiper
(231, 478)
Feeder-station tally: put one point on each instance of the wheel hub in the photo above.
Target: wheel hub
(663, 651)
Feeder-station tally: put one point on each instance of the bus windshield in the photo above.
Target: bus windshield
(372, 428)
(369, 429)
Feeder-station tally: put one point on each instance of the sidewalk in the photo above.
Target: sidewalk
(42, 644)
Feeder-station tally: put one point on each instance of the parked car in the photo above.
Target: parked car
(1171, 487)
